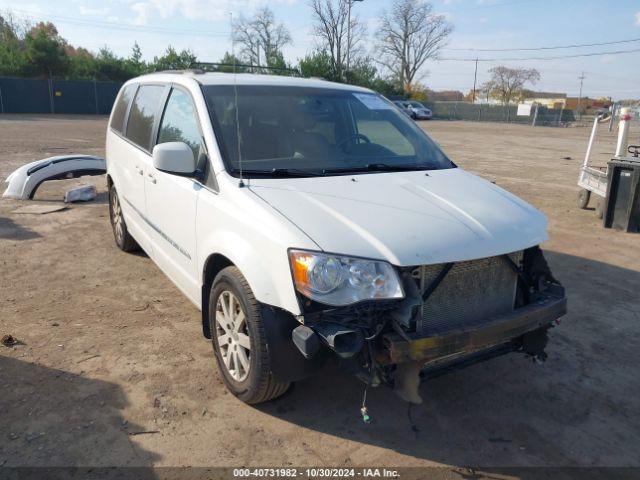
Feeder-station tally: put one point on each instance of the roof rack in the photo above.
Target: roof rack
(204, 67)
(196, 71)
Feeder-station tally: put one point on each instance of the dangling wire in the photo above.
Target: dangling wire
(363, 410)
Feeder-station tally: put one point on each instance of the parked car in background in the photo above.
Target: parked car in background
(404, 108)
(414, 109)
(307, 219)
(419, 111)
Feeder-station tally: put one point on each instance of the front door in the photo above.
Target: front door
(172, 199)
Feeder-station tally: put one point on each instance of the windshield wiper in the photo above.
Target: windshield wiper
(380, 167)
(282, 172)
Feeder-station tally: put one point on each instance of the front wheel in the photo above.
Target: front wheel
(239, 340)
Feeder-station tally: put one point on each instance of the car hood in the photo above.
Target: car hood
(406, 218)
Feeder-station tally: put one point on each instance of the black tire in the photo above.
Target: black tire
(600, 208)
(258, 384)
(583, 198)
(123, 238)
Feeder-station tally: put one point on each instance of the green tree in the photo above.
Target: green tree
(45, 50)
(12, 61)
(82, 63)
(136, 64)
(172, 60)
(136, 54)
(362, 73)
(111, 67)
(318, 64)
(228, 60)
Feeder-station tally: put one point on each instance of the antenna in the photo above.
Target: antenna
(235, 95)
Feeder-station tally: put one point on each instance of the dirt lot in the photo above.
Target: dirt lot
(112, 368)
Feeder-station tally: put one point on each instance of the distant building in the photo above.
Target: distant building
(546, 99)
(445, 96)
(588, 105)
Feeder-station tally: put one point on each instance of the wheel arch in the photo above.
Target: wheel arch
(213, 265)
(286, 362)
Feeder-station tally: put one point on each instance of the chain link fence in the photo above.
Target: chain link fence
(479, 112)
(30, 95)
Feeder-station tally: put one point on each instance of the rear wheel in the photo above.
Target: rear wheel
(239, 340)
(124, 240)
(583, 198)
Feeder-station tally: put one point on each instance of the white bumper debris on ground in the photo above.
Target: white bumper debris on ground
(23, 182)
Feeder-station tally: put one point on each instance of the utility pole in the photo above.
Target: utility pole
(349, 3)
(475, 77)
(581, 78)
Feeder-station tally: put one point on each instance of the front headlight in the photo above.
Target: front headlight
(338, 280)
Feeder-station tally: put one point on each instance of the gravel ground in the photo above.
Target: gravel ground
(112, 369)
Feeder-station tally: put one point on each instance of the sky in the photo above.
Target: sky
(203, 27)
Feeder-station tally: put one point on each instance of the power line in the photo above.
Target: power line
(558, 57)
(557, 47)
(115, 26)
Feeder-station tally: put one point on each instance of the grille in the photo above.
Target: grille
(471, 292)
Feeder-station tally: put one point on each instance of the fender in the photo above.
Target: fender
(267, 273)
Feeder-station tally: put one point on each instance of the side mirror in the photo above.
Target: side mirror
(174, 157)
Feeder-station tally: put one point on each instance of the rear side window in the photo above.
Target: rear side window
(120, 108)
(143, 111)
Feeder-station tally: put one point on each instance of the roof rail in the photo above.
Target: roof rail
(244, 68)
(195, 71)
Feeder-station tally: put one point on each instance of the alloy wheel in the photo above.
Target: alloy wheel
(232, 334)
(116, 217)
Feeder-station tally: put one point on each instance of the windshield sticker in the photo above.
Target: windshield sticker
(372, 102)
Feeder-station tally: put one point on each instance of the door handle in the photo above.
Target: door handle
(140, 171)
(151, 178)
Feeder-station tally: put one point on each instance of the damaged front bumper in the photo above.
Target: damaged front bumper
(506, 329)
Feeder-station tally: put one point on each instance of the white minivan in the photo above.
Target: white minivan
(311, 221)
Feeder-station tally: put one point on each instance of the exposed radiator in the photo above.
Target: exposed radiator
(472, 292)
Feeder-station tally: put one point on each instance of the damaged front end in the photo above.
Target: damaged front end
(452, 315)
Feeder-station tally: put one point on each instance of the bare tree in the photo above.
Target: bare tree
(331, 28)
(410, 34)
(506, 84)
(261, 37)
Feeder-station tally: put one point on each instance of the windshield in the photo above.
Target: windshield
(300, 130)
(416, 104)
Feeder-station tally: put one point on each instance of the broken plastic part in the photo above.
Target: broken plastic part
(83, 193)
(413, 298)
(306, 340)
(344, 341)
(23, 182)
(407, 381)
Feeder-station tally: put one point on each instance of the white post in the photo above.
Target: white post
(591, 139)
(614, 110)
(623, 132)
